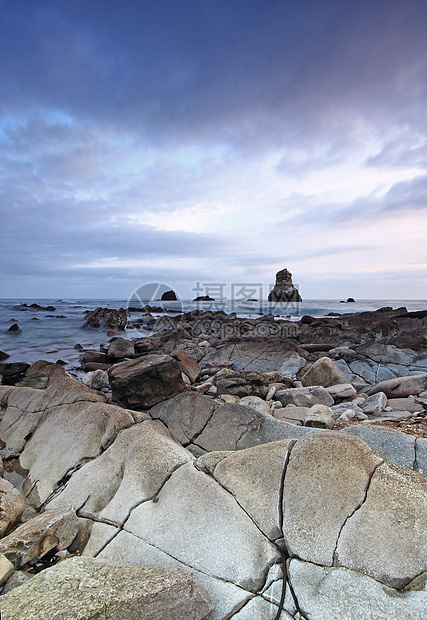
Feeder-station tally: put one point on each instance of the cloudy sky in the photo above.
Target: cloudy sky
(213, 141)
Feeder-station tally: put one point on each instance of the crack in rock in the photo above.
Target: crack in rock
(360, 504)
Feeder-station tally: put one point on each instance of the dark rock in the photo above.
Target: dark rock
(169, 296)
(284, 290)
(204, 298)
(14, 328)
(143, 382)
(3, 356)
(13, 372)
(107, 318)
(245, 383)
(93, 356)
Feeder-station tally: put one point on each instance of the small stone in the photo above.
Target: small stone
(375, 403)
(324, 372)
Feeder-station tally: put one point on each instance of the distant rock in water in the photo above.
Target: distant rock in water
(204, 298)
(14, 328)
(350, 300)
(284, 290)
(169, 296)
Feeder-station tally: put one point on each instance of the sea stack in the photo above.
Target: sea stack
(284, 290)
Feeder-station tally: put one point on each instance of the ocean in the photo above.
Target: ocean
(53, 334)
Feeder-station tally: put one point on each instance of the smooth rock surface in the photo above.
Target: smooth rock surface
(12, 505)
(390, 443)
(319, 416)
(402, 386)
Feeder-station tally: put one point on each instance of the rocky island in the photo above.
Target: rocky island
(221, 468)
(284, 290)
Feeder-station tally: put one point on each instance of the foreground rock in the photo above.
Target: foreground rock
(86, 588)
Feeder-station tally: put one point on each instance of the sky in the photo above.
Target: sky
(202, 142)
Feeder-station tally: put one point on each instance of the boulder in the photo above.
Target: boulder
(291, 414)
(292, 364)
(319, 416)
(323, 372)
(85, 588)
(169, 296)
(52, 529)
(341, 391)
(375, 403)
(120, 348)
(97, 380)
(401, 387)
(304, 396)
(405, 404)
(393, 445)
(143, 382)
(244, 383)
(12, 505)
(284, 290)
(257, 403)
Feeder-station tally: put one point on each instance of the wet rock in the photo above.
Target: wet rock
(143, 382)
(106, 318)
(14, 328)
(86, 588)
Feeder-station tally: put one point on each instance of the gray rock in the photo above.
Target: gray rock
(257, 403)
(325, 482)
(375, 403)
(292, 364)
(145, 381)
(393, 445)
(97, 379)
(244, 383)
(52, 529)
(342, 407)
(341, 391)
(12, 505)
(341, 594)
(319, 416)
(185, 415)
(304, 396)
(187, 364)
(421, 455)
(323, 372)
(253, 476)
(402, 386)
(85, 588)
(228, 546)
(386, 537)
(16, 579)
(404, 404)
(291, 414)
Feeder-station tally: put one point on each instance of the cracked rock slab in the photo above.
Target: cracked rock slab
(326, 480)
(386, 538)
(253, 476)
(341, 594)
(196, 521)
(227, 596)
(85, 588)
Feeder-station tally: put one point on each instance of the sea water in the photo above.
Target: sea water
(53, 334)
